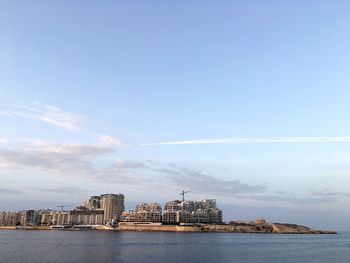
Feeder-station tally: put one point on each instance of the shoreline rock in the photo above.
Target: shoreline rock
(231, 227)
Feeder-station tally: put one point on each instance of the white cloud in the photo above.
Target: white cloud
(57, 117)
(60, 118)
(106, 139)
(255, 140)
(65, 159)
(48, 114)
(122, 164)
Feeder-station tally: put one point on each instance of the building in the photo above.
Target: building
(94, 202)
(83, 216)
(21, 218)
(169, 217)
(113, 207)
(145, 212)
(149, 207)
(60, 218)
(53, 218)
(111, 204)
(28, 217)
(202, 211)
(128, 216)
(215, 215)
(10, 218)
(46, 218)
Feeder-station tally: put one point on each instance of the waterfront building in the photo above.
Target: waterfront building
(28, 217)
(46, 218)
(128, 216)
(202, 211)
(215, 215)
(184, 216)
(39, 216)
(83, 216)
(60, 218)
(149, 207)
(172, 206)
(10, 218)
(200, 216)
(113, 207)
(144, 213)
(169, 217)
(94, 202)
(52, 218)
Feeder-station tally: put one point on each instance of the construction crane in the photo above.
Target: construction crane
(183, 194)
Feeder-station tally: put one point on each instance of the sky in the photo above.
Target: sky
(246, 102)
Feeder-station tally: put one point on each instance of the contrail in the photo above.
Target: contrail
(254, 140)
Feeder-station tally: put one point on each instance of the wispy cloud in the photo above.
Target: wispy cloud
(199, 181)
(63, 190)
(255, 140)
(328, 193)
(109, 140)
(60, 118)
(9, 191)
(46, 113)
(75, 160)
(122, 164)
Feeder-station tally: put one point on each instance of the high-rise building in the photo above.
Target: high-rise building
(94, 202)
(113, 207)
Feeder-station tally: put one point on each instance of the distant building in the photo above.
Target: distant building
(61, 218)
(47, 218)
(144, 213)
(94, 202)
(10, 218)
(21, 218)
(113, 207)
(202, 211)
(170, 217)
(53, 218)
(84, 216)
(111, 204)
(28, 217)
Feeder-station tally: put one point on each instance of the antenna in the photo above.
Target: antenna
(183, 194)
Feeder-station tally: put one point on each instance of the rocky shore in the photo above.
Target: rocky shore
(231, 227)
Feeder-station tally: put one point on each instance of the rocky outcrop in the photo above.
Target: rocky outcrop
(296, 229)
(231, 227)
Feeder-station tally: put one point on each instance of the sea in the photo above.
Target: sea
(17, 246)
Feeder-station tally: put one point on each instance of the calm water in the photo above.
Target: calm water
(96, 246)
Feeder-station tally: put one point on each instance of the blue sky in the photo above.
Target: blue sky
(85, 85)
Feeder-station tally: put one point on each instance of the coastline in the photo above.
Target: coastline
(273, 228)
